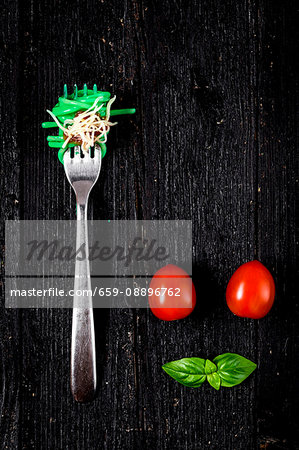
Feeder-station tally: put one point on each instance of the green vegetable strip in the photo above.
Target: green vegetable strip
(69, 105)
(120, 112)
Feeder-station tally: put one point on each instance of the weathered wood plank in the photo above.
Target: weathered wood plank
(10, 371)
(277, 139)
(198, 79)
(62, 46)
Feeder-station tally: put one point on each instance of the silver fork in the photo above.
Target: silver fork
(82, 174)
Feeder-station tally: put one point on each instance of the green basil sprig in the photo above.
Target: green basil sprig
(225, 370)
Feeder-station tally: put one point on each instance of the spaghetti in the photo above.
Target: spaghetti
(83, 118)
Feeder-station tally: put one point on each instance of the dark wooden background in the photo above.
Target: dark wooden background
(214, 140)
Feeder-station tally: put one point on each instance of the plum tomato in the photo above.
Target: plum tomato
(171, 293)
(251, 291)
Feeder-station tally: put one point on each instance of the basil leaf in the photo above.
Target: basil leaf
(187, 371)
(210, 367)
(233, 368)
(214, 380)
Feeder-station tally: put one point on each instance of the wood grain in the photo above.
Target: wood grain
(10, 332)
(213, 140)
(277, 138)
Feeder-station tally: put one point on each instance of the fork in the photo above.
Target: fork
(82, 173)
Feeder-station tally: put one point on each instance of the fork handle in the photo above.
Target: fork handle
(83, 353)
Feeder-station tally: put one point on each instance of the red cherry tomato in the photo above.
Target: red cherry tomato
(173, 293)
(251, 291)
